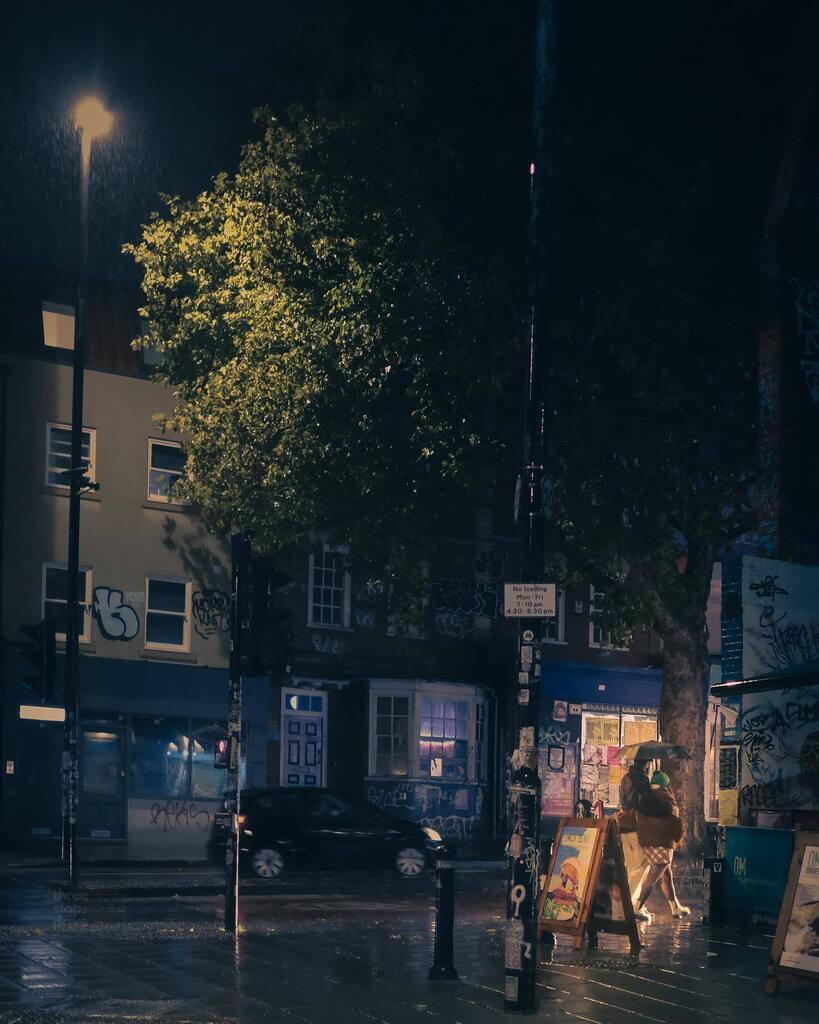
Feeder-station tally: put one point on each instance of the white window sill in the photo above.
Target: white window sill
(169, 506)
(557, 643)
(64, 492)
(151, 654)
(326, 625)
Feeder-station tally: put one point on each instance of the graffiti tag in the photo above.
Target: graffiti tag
(117, 620)
(211, 612)
(175, 814)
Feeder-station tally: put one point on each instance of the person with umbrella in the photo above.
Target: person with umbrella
(635, 791)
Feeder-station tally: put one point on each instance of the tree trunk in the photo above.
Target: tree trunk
(682, 720)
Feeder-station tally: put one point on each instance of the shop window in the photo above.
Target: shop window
(166, 466)
(58, 453)
(55, 600)
(442, 747)
(328, 585)
(391, 736)
(207, 782)
(159, 757)
(167, 613)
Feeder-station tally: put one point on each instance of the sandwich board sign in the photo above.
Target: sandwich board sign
(529, 600)
(795, 949)
(576, 898)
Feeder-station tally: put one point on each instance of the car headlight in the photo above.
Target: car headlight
(432, 835)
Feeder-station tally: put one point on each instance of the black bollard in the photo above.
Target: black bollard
(443, 969)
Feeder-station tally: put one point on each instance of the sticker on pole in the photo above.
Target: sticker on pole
(529, 600)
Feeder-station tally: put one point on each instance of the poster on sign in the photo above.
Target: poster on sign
(795, 949)
(572, 874)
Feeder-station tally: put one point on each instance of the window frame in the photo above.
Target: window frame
(606, 641)
(161, 499)
(152, 645)
(559, 619)
(92, 452)
(85, 635)
(475, 774)
(58, 309)
(346, 589)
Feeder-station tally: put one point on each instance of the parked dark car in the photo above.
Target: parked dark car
(294, 827)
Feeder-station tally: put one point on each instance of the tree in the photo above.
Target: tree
(334, 330)
(653, 438)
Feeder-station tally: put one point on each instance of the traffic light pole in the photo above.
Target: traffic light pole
(523, 786)
(70, 767)
(241, 562)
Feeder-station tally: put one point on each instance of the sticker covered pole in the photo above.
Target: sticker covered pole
(532, 504)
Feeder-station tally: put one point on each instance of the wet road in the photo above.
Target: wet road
(347, 947)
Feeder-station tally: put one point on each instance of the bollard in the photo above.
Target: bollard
(443, 968)
(712, 881)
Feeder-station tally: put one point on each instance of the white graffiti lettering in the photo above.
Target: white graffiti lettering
(117, 620)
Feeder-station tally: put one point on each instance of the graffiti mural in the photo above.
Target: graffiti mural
(211, 612)
(779, 739)
(458, 601)
(455, 810)
(780, 616)
(116, 619)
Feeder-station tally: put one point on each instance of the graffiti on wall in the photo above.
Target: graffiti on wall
(116, 619)
(458, 601)
(170, 815)
(211, 612)
(779, 739)
(453, 810)
(780, 616)
(807, 327)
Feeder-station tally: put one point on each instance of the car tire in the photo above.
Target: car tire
(267, 862)
(410, 862)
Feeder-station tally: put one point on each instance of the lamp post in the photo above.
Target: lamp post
(93, 122)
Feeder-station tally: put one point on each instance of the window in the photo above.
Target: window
(391, 736)
(167, 613)
(58, 453)
(58, 326)
(55, 600)
(328, 590)
(553, 628)
(166, 464)
(159, 757)
(599, 637)
(207, 781)
(442, 745)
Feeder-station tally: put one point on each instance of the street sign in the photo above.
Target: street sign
(42, 712)
(529, 600)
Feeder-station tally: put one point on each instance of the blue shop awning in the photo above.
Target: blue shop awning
(592, 684)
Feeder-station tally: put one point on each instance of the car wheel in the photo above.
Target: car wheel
(410, 862)
(267, 862)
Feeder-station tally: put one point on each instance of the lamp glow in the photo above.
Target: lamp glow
(92, 118)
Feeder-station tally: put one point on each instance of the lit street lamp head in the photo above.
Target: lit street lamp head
(92, 118)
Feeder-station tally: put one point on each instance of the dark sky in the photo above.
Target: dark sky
(183, 79)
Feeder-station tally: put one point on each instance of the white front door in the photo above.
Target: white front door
(302, 738)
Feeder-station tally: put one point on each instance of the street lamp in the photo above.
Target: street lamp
(93, 122)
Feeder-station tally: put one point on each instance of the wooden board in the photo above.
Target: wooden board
(566, 899)
(612, 909)
(795, 949)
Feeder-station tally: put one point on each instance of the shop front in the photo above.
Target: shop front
(587, 713)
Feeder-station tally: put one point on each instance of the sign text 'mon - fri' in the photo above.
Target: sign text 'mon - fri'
(529, 600)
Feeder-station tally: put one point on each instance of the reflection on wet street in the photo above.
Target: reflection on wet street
(350, 947)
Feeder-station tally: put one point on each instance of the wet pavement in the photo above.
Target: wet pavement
(347, 947)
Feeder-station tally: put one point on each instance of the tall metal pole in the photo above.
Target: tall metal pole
(241, 559)
(523, 783)
(71, 772)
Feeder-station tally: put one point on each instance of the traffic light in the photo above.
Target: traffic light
(264, 636)
(41, 655)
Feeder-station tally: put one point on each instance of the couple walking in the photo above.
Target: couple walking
(651, 828)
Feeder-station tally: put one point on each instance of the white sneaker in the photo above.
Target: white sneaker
(643, 915)
(678, 910)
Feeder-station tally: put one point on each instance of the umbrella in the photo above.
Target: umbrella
(652, 750)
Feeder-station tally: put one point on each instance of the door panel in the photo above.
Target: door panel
(302, 750)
